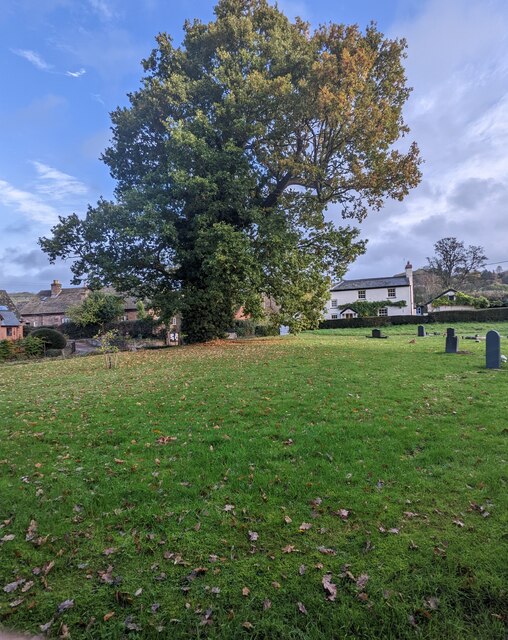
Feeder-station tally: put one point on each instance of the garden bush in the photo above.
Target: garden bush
(53, 353)
(52, 338)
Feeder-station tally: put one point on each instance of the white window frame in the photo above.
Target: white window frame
(335, 316)
(383, 311)
(362, 294)
(334, 304)
(392, 292)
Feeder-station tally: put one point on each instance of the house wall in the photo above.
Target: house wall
(16, 333)
(372, 295)
(455, 307)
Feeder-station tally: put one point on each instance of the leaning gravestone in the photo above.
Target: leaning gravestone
(493, 350)
(452, 341)
(421, 331)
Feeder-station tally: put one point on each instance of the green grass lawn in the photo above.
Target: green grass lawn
(324, 486)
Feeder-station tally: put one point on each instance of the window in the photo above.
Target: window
(9, 331)
(65, 320)
(383, 311)
(391, 292)
(334, 304)
(334, 316)
(451, 297)
(361, 294)
(348, 315)
(173, 320)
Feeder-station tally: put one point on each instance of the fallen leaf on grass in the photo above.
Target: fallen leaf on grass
(432, 603)
(247, 625)
(12, 586)
(305, 526)
(302, 569)
(458, 522)
(106, 576)
(46, 627)
(7, 538)
(288, 548)
(28, 585)
(166, 439)
(245, 591)
(275, 584)
(132, 626)
(361, 581)
(109, 551)
(138, 592)
(287, 520)
(207, 617)
(329, 587)
(229, 507)
(63, 606)
(267, 604)
(301, 608)
(31, 531)
(46, 568)
(342, 513)
(16, 603)
(108, 616)
(253, 536)
(326, 551)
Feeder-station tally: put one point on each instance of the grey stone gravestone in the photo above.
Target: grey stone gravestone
(452, 341)
(376, 333)
(421, 331)
(493, 350)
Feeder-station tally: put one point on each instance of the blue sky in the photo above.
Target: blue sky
(67, 63)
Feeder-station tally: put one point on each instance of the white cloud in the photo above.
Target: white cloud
(102, 8)
(55, 184)
(458, 114)
(76, 74)
(34, 58)
(26, 203)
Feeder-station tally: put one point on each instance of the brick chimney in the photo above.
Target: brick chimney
(56, 288)
(409, 276)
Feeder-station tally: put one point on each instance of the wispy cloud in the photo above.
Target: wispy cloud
(102, 8)
(76, 74)
(26, 203)
(34, 58)
(56, 184)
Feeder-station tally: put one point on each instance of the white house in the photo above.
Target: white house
(397, 292)
(451, 296)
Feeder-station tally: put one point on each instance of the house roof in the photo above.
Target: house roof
(371, 283)
(43, 303)
(347, 309)
(7, 303)
(443, 293)
(8, 319)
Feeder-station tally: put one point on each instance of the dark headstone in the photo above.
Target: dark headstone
(421, 331)
(452, 343)
(450, 332)
(493, 350)
(376, 333)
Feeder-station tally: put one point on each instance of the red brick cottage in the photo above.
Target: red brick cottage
(10, 324)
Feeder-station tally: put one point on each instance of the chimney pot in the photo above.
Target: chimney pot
(56, 288)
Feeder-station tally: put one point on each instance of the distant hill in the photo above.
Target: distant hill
(491, 284)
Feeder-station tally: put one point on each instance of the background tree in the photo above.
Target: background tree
(227, 159)
(97, 308)
(453, 262)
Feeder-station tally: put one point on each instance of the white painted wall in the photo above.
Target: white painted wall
(372, 295)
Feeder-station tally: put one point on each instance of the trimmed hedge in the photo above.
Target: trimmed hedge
(146, 328)
(248, 328)
(53, 339)
(495, 314)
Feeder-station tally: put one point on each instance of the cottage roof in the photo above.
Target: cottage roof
(43, 303)
(7, 303)
(371, 283)
(8, 319)
(443, 293)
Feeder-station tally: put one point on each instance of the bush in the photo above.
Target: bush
(263, 330)
(52, 338)
(32, 346)
(53, 353)
(495, 314)
(6, 350)
(145, 328)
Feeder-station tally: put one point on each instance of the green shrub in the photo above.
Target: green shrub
(52, 338)
(6, 350)
(53, 353)
(263, 330)
(32, 346)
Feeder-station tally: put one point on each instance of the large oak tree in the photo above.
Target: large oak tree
(227, 159)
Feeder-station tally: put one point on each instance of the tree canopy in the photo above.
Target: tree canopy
(97, 308)
(453, 261)
(227, 158)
